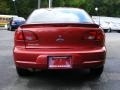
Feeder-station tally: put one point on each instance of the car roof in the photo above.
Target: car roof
(58, 8)
(19, 18)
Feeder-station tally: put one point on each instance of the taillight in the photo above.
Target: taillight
(19, 38)
(25, 35)
(19, 35)
(94, 36)
(100, 36)
(29, 36)
(91, 35)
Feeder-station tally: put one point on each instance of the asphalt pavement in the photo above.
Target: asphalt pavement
(51, 80)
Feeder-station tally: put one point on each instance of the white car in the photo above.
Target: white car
(115, 26)
(108, 23)
(104, 25)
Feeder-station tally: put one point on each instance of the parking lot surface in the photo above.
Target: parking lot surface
(51, 80)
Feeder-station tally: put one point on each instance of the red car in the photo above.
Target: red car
(59, 39)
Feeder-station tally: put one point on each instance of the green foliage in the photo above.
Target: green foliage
(25, 7)
(4, 8)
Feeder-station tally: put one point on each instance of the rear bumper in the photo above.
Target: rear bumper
(38, 59)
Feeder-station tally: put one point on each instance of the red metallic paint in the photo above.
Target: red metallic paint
(84, 53)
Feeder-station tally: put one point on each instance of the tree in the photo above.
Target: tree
(25, 7)
(4, 8)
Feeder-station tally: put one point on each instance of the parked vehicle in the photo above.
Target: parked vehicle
(59, 38)
(15, 22)
(4, 19)
(104, 24)
(108, 23)
(115, 26)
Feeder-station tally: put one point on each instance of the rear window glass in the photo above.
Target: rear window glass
(59, 16)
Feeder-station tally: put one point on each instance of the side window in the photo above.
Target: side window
(0, 19)
(3, 19)
(9, 19)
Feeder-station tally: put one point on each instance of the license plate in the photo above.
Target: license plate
(60, 62)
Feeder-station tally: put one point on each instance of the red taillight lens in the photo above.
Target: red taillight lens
(25, 35)
(94, 36)
(30, 36)
(100, 36)
(19, 35)
(22, 37)
(91, 35)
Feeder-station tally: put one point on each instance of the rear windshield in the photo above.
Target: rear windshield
(43, 16)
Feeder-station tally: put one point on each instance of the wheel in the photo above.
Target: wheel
(105, 30)
(9, 28)
(109, 30)
(22, 72)
(118, 31)
(96, 71)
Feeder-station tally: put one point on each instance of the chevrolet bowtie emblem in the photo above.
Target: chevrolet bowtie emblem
(60, 39)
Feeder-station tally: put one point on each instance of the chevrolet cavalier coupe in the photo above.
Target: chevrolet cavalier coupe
(59, 39)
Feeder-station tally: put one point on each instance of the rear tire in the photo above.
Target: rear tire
(9, 28)
(109, 30)
(22, 72)
(96, 71)
(118, 31)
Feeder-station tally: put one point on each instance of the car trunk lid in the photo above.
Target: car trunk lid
(60, 36)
